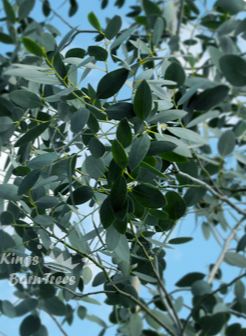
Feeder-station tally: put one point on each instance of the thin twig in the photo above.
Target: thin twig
(223, 198)
(224, 250)
(167, 300)
(58, 325)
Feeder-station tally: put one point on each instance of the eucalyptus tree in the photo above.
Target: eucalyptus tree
(107, 149)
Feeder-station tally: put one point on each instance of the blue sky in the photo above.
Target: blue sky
(194, 256)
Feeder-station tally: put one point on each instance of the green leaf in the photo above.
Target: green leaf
(120, 111)
(43, 220)
(81, 312)
(33, 74)
(94, 21)
(241, 246)
(188, 135)
(6, 242)
(30, 325)
(119, 154)
(9, 192)
(213, 324)
(5, 124)
(79, 120)
(149, 196)
(28, 182)
(8, 308)
(122, 253)
(235, 259)
(112, 238)
(42, 160)
(194, 195)
(175, 73)
(118, 197)
(55, 306)
(96, 147)
(165, 116)
(94, 167)
(99, 53)
(143, 101)
(25, 8)
(25, 99)
(232, 7)
(9, 10)
(135, 325)
(227, 143)
(159, 147)
(106, 213)
(204, 117)
(41, 332)
(152, 11)
(7, 218)
(234, 329)
(99, 279)
(33, 47)
(7, 39)
(32, 134)
(139, 149)
(123, 133)
(233, 68)
(189, 279)
(210, 98)
(158, 31)
(75, 52)
(111, 83)
(46, 8)
(124, 36)
(26, 306)
(113, 27)
(180, 240)
(200, 288)
(175, 205)
(80, 195)
(73, 7)
(47, 202)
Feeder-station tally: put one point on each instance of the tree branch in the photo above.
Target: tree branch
(223, 198)
(224, 250)
(58, 325)
(167, 300)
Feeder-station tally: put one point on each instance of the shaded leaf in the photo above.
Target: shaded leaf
(80, 195)
(143, 100)
(28, 182)
(25, 99)
(33, 47)
(189, 279)
(123, 133)
(227, 143)
(32, 134)
(139, 149)
(180, 240)
(149, 196)
(94, 21)
(113, 27)
(233, 68)
(111, 83)
(119, 154)
(30, 325)
(175, 205)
